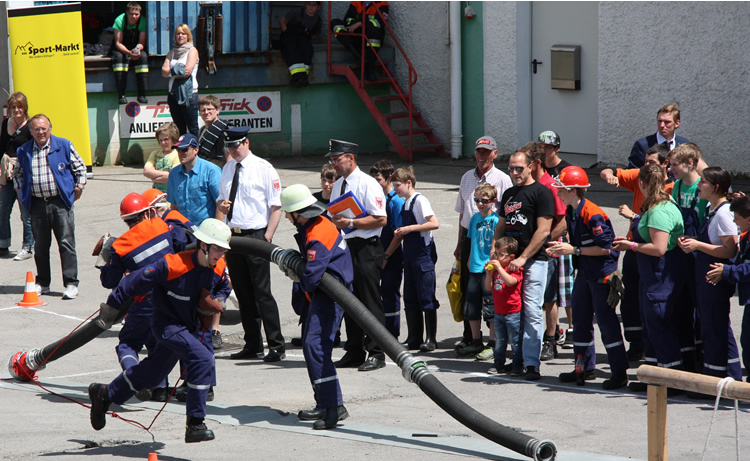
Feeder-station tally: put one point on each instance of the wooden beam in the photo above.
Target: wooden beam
(693, 382)
(657, 423)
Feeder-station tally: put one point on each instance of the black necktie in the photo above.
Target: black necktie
(668, 145)
(343, 187)
(233, 190)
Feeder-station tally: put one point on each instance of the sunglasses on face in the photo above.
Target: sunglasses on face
(181, 150)
(516, 169)
(482, 200)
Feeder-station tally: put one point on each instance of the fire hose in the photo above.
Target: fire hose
(413, 369)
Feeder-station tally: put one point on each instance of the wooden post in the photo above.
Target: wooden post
(657, 423)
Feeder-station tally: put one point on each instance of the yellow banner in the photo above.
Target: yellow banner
(46, 48)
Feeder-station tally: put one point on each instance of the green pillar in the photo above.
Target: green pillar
(472, 81)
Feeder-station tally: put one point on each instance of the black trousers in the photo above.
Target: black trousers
(367, 259)
(296, 48)
(251, 280)
(465, 251)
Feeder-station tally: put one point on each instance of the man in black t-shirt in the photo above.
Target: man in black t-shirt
(526, 212)
(553, 164)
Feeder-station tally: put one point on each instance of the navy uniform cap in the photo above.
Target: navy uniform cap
(234, 136)
(336, 147)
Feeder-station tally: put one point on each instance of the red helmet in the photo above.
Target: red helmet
(572, 176)
(154, 195)
(132, 205)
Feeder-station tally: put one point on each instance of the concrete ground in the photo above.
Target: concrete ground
(253, 414)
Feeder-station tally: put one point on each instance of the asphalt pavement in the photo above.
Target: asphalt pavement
(254, 412)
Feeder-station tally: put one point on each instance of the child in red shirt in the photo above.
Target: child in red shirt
(506, 294)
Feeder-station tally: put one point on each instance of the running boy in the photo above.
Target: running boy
(506, 294)
(417, 223)
(481, 231)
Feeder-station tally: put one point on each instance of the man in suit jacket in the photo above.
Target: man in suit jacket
(667, 121)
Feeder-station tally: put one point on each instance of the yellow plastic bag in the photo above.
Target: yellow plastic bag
(455, 295)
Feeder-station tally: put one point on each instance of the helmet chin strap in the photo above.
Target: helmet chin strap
(205, 254)
(295, 216)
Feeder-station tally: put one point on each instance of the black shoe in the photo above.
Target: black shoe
(274, 356)
(246, 353)
(297, 342)
(411, 346)
(142, 100)
(617, 381)
(144, 395)
(637, 386)
(349, 361)
(330, 419)
(123, 100)
(427, 346)
(373, 363)
(217, 340)
(319, 413)
(99, 405)
(181, 393)
(570, 377)
(4, 252)
(532, 374)
(198, 433)
(636, 355)
(160, 394)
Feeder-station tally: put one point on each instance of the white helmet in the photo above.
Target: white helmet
(213, 232)
(298, 197)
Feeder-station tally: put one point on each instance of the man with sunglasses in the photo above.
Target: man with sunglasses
(526, 213)
(193, 186)
(485, 153)
(362, 235)
(249, 202)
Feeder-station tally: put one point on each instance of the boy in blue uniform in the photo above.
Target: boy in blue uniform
(591, 235)
(417, 223)
(187, 289)
(325, 251)
(738, 272)
(146, 241)
(390, 277)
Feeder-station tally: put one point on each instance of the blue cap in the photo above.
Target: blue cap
(185, 141)
(234, 136)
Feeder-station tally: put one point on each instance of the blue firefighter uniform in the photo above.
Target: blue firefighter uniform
(179, 225)
(143, 244)
(589, 226)
(739, 272)
(325, 251)
(175, 284)
(661, 280)
(390, 277)
(419, 266)
(720, 355)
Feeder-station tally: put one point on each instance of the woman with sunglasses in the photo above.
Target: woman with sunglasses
(716, 243)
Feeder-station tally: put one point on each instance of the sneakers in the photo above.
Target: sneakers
(549, 351)
(568, 339)
(493, 371)
(23, 255)
(487, 354)
(197, 433)
(99, 405)
(40, 290)
(560, 336)
(71, 292)
(470, 350)
(216, 339)
(532, 374)
(570, 377)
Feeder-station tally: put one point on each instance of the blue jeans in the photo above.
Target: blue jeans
(8, 197)
(507, 330)
(534, 283)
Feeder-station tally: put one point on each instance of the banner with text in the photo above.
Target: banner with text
(260, 112)
(46, 48)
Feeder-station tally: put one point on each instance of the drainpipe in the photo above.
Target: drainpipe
(454, 13)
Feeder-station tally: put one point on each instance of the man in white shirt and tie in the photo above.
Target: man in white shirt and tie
(667, 121)
(363, 237)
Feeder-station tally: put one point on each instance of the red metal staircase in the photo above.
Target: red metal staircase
(418, 137)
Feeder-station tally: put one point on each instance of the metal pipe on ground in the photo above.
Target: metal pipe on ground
(413, 369)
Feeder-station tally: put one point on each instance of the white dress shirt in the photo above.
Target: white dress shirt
(369, 193)
(259, 189)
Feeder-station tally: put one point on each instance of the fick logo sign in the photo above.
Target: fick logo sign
(33, 51)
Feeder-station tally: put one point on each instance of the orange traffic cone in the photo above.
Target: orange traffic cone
(153, 457)
(30, 298)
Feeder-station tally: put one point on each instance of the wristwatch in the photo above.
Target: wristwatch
(386, 256)
(577, 251)
(351, 223)
(78, 186)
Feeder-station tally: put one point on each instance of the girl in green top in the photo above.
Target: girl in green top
(162, 160)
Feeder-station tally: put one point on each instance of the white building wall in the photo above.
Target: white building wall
(651, 54)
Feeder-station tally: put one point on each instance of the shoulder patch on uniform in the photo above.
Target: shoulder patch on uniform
(379, 201)
(311, 255)
(149, 271)
(597, 230)
(277, 184)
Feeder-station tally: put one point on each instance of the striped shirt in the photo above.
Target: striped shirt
(212, 140)
(42, 181)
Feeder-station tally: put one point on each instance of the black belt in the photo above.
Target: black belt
(238, 231)
(46, 199)
(371, 240)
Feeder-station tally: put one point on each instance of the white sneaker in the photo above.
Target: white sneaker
(40, 290)
(71, 291)
(23, 255)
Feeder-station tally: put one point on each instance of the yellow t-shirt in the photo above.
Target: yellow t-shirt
(162, 162)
